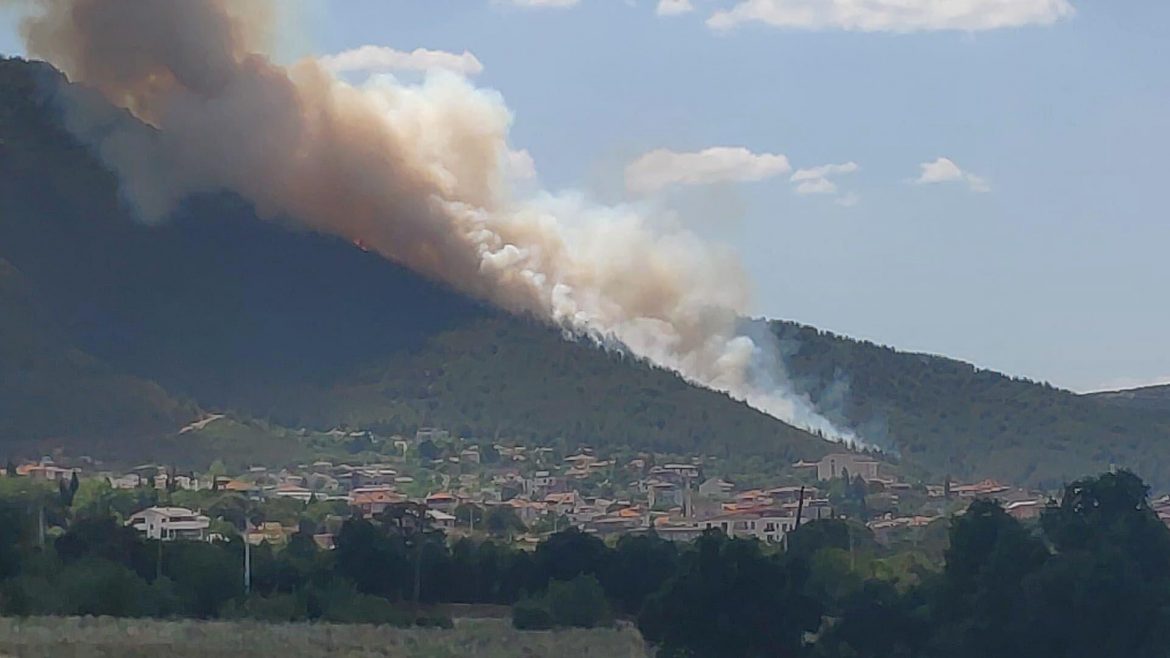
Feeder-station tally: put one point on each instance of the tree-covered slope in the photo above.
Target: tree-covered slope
(52, 393)
(271, 321)
(1156, 398)
(952, 417)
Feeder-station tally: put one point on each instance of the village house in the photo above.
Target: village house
(270, 532)
(847, 463)
(431, 434)
(715, 489)
(441, 500)
(562, 503)
(441, 519)
(44, 471)
(543, 483)
(884, 529)
(128, 481)
(769, 525)
(372, 501)
(293, 491)
(170, 524)
(663, 495)
(984, 489)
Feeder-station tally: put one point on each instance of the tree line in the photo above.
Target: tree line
(1091, 578)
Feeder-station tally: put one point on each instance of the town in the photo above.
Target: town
(522, 494)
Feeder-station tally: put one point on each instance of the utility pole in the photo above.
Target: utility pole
(247, 565)
(41, 525)
(799, 508)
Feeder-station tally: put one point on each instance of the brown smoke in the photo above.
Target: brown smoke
(415, 172)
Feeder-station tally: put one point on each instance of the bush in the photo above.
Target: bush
(531, 615)
(357, 608)
(579, 602)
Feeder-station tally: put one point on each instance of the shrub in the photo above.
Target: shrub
(531, 615)
(579, 602)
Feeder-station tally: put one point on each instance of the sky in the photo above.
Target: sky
(983, 179)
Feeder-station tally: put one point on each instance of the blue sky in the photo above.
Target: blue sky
(1043, 247)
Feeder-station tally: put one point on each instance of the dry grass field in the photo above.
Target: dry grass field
(44, 637)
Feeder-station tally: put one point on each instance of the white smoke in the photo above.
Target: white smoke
(420, 173)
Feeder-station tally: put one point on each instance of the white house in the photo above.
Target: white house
(170, 523)
(441, 519)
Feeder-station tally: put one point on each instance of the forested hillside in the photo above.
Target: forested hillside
(300, 329)
(1147, 397)
(49, 390)
(266, 320)
(952, 417)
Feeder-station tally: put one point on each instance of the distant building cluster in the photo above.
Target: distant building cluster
(456, 483)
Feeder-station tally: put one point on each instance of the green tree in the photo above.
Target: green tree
(730, 600)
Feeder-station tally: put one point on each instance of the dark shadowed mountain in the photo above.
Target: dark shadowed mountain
(268, 320)
(218, 310)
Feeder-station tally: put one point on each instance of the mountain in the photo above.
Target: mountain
(951, 417)
(48, 384)
(272, 322)
(1156, 398)
(144, 326)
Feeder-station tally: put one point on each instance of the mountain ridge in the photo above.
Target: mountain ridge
(279, 323)
(274, 321)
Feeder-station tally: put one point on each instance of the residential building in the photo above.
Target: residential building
(440, 519)
(431, 434)
(715, 489)
(442, 500)
(372, 501)
(170, 523)
(847, 463)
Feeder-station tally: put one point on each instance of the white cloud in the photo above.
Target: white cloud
(542, 3)
(815, 180)
(721, 164)
(673, 7)
(944, 170)
(893, 15)
(375, 59)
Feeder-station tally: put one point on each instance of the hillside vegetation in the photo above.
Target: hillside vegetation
(50, 390)
(1156, 398)
(267, 320)
(952, 417)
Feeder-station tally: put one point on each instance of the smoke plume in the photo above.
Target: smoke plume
(415, 172)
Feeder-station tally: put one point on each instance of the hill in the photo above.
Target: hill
(952, 417)
(1155, 398)
(298, 329)
(62, 392)
(270, 321)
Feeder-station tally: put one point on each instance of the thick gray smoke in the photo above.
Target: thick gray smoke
(417, 173)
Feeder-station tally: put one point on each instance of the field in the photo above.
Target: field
(122, 638)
